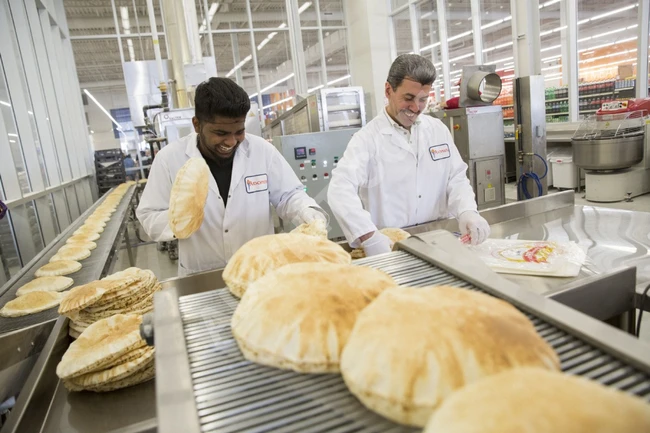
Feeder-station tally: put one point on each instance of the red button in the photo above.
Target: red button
(326, 174)
(489, 172)
(302, 165)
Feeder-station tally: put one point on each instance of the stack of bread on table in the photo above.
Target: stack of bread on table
(448, 359)
(44, 292)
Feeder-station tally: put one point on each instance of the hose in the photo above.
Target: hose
(538, 180)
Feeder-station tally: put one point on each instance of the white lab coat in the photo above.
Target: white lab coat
(382, 182)
(248, 213)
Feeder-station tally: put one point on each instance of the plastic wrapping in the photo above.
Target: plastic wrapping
(543, 258)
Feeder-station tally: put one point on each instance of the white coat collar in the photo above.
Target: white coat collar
(397, 134)
(238, 167)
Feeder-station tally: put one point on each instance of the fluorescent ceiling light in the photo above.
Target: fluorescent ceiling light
(92, 132)
(12, 135)
(610, 65)
(329, 83)
(554, 47)
(461, 57)
(426, 15)
(462, 35)
(315, 88)
(547, 59)
(5, 103)
(608, 44)
(592, 59)
(304, 7)
(239, 65)
(277, 103)
(12, 141)
(213, 10)
(548, 3)
(277, 82)
(428, 47)
(614, 12)
(548, 32)
(119, 128)
(548, 68)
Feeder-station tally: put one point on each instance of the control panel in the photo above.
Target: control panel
(313, 157)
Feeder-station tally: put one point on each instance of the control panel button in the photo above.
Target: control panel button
(325, 163)
(302, 166)
(326, 175)
(313, 163)
(314, 177)
(312, 151)
(303, 179)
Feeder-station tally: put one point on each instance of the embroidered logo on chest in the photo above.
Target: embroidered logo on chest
(257, 183)
(439, 152)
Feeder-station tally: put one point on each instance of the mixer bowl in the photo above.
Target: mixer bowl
(608, 154)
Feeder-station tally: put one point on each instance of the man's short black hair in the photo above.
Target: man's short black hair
(220, 97)
(413, 67)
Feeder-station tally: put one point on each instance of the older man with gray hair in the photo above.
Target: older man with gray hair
(402, 169)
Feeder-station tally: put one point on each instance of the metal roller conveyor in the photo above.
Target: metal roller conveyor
(204, 383)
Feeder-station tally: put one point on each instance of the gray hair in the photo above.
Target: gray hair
(412, 66)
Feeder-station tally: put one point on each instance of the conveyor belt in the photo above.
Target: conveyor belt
(234, 395)
(94, 267)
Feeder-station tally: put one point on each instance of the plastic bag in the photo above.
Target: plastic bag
(543, 258)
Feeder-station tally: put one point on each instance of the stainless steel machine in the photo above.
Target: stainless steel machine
(324, 110)
(614, 150)
(477, 130)
(313, 157)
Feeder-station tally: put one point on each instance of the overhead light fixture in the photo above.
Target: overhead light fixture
(548, 3)
(462, 35)
(266, 40)
(101, 107)
(126, 26)
(213, 10)
(633, 38)
(304, 7)
(461, 57)
(428, 47)
(329, 83)
(614, 12)
(5, 103)
(278, 82)
(12, 141)
(92, 132)
(554, 47)
(315, 88)
(278, 103)
(12, 135)
(426, 15)
(239, 65)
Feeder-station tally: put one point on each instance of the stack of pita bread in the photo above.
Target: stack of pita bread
(394, 234)
(130, 291)
(187, 198)
(108, 355)
(42, 293)
(264, 254)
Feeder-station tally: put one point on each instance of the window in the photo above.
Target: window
(460, 39)
(402, 30)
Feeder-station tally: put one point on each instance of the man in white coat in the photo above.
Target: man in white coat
(402, 169)
(248, 177)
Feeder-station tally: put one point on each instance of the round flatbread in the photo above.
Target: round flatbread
(88, 229)
(61, 267)
(285, 323)
(187, 198)
(394, 234)
(533, 400)
(86, 237)
(77, 254)
(83, 296)
(31, 303)
(89, 245)
(115, 373)
(101, 343)
(46, 284)
(316, 228)
(264, 254)
(413, 347)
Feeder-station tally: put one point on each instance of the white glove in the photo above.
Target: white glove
(310, 214)
(378, 243)
(470, 222)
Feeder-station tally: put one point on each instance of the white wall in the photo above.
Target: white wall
(103, 137)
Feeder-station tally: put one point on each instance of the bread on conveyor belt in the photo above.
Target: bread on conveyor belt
(61, 267)
(285, 322)
(85, 237)
(316, 228)
(100, 344)
(46, 284)
(413, 347)
(264, 254)
(72, 253)
(90, 228)
(31, 303)
(89, 245)
(187, 199)
(394, 234)
(82, 296)
(532, 400)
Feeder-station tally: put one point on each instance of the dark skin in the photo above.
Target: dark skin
(220, 138)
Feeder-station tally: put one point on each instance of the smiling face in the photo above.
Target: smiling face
(407, 101)
(219, 138)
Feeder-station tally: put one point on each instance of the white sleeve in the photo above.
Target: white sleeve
(287, 193)
(343, 194)
(152, 212)
(460, 195)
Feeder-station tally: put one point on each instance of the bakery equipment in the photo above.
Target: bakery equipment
(313, 157)
(322, 110)
(614, 150)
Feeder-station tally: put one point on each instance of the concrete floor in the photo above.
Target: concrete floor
(147, 256)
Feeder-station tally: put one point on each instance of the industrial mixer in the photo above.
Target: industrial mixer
(614, 150)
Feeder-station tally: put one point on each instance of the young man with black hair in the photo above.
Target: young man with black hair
(402, 169)
(248, 177)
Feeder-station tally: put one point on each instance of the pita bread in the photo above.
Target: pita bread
(101, 343)
(139, 377)
(86, 237)
(97, 219)
(74, 334)
(85, 230)
(413, 347)
(71, 253)
(394, 234)
(537, 401)
(141, 181)
(115, 373)
(31, 303)
(61, 267)
(316, 228)
(82, 296)
(188, 196)
(264, 254)
(284, 323)
(87, 245)
(46, 284)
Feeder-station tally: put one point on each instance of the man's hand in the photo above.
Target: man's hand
(376, 243)
(470, 222)
(310, 214)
